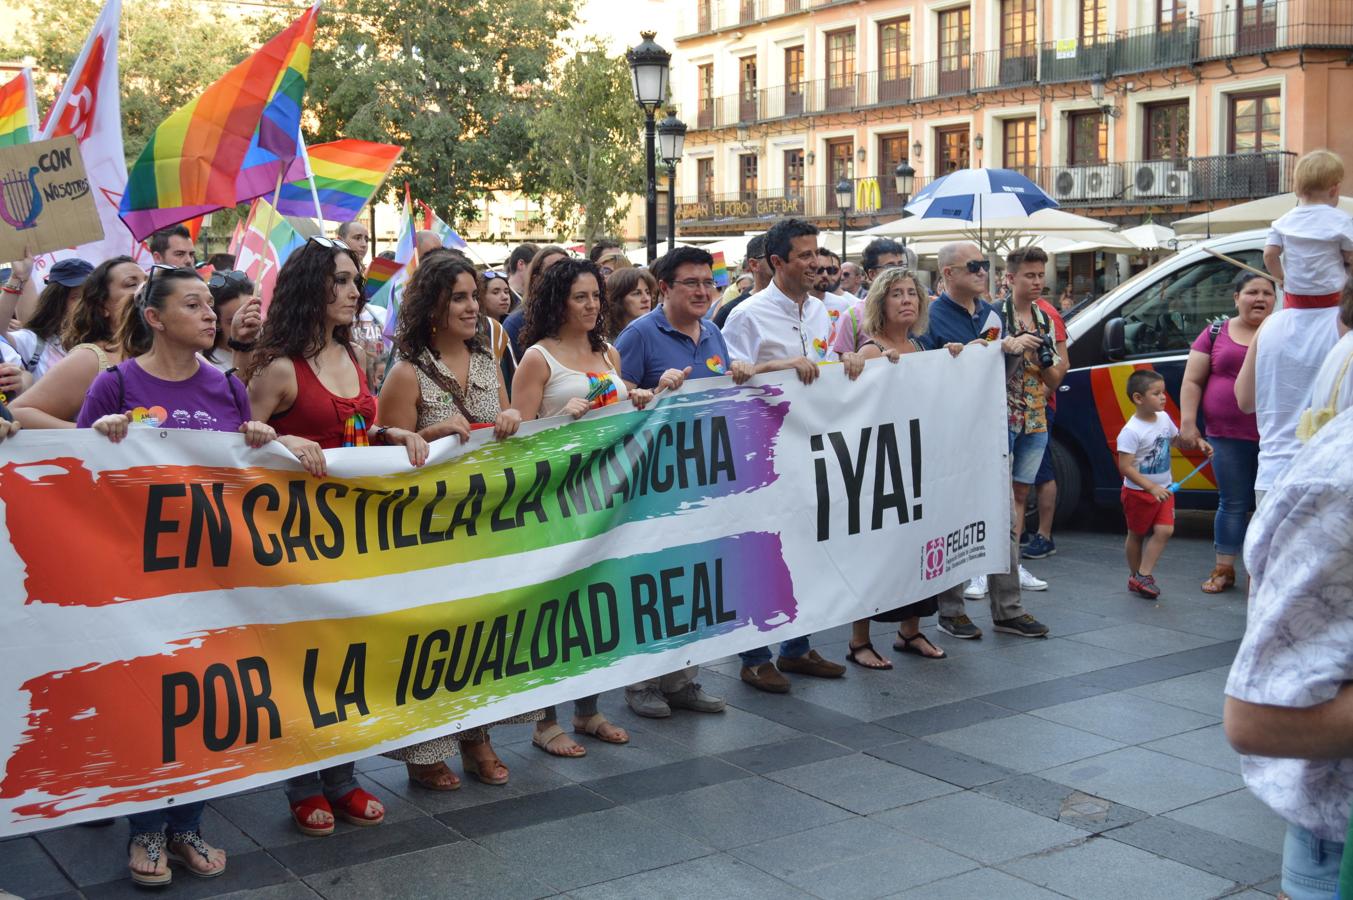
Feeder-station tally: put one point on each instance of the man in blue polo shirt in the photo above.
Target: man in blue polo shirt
(660, 349)
(960, 316)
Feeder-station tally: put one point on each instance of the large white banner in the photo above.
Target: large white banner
(181, 617)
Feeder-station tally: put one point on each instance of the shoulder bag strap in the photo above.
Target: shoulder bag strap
(445, 384)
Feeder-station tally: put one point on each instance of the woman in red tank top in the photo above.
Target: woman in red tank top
(306, 380)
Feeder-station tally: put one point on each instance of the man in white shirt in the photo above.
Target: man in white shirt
(783, 327)
(1289, 698)
(824, 289)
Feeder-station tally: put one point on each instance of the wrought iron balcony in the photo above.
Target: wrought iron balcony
(872, 197)
(1236, 176)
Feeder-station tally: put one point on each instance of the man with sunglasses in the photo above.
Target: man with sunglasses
(824, 289)
(960, 316)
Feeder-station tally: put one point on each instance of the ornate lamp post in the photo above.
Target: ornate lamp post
(844, 191)
(648, 67)
(906, 181)
(671, 141)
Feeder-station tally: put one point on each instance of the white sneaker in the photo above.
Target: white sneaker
(977, 588)
(1028, 581)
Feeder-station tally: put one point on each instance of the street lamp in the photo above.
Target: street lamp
(671, 140)
(844, 190)
(906, 180)
(648, 67)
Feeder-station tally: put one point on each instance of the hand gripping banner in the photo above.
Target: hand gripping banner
(182, 618)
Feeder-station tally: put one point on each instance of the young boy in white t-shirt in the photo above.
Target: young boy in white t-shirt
(1144, 462)
(1309, 247)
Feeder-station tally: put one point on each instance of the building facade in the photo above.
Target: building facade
(1121, 109)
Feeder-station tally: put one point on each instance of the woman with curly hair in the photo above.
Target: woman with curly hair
(55, 399)
(445, 382)
(629, 294)
(568, 369)
(306, 380)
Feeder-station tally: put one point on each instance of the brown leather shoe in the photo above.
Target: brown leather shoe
(766, 677)
(811, 663)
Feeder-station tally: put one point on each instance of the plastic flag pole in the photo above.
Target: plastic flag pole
(1174, 487)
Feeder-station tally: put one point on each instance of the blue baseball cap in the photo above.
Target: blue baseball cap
(70, 272)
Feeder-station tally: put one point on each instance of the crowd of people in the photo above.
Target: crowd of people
(108, 345)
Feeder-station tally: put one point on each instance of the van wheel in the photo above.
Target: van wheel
(1067, 473)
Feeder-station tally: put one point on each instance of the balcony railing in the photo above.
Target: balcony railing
(704, 17)
(1237, 176)
(1284, 25)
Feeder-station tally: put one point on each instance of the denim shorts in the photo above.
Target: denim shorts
(1310, 865)
(1026, 455)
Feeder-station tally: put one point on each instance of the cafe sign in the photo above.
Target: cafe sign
(759, 208)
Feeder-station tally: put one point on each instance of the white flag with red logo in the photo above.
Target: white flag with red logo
(90, 108)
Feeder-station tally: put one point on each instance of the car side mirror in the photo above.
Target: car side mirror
(1115, 344)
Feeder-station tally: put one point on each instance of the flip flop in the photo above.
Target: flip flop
(904, 645)
(542, 740)
(850, 656)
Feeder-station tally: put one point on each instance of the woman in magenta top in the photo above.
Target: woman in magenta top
(1210, 382)
(306, 380)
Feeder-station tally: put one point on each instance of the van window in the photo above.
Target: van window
(1170, 314)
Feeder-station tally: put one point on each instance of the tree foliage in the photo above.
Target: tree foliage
(585, 145)
(455, 82)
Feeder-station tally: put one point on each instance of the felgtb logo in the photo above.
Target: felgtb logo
(932, 560)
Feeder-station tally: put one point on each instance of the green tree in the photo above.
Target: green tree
(585, 145)
(455, 82)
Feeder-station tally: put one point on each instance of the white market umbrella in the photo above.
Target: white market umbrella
(1245, 216)
(1150, 236)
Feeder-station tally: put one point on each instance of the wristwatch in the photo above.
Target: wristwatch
(239, 345)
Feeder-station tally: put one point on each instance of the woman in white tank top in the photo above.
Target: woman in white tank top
(567, 368)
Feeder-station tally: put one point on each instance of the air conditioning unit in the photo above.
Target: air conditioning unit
(1161, 179)
(1103, 182)
(1069, 184)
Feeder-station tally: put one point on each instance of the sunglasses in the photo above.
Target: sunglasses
(979, 265)
(828, 270)
(489, 275)
(219, 280)
(331, 243)
(150, 276)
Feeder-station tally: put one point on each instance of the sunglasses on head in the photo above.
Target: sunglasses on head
(331, 243)
(219, 280)
(489, 275)
(144, 293)
(979, 265)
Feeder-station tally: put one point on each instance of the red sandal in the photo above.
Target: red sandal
(355, 808)
(302, 810)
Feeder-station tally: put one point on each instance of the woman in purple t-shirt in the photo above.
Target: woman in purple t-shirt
(164, 383)
(1210, 377)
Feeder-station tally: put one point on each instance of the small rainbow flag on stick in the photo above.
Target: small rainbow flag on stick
(18, 110)
(347, 174)
(378, 273)
(720, 270)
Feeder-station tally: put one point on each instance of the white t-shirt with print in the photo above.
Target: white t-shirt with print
(1313, 238)
(1149, 444)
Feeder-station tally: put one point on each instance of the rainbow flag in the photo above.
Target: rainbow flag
(18, 110)
(406, 256)
(229, 145)
(265, 243)
(378, 274)
(347, 175)
(432, 222)
(720, 270)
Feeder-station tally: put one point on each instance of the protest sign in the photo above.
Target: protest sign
(45, 199)
(181, 617)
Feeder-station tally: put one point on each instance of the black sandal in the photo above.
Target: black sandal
(904, 645)
(851, 651)
(153, 843)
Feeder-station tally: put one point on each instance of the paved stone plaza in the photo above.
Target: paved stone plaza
(1089, 765)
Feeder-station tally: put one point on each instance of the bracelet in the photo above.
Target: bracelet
(379, 434)
(12, 290)
(241, 346)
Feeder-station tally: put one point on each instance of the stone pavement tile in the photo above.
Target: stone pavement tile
(854, 858)
(1045, 693)
(866, 695)
(1238, 815)
(518, 812)
(375, 764)
(1271, 888)
(370, 844)
(984, 883)
(266, 818)
(1205, 746)
(27, 871)
(1142, 640)
(243, 872)
(659, 781)
(740, 812)
(1145, 779)
(1065, 804)
(97, 855)
(945, 717)
(1064, 619)
(1202, 692)
(1250, 895)
(1125, 717)
(645, 750)
(862, 784)
(719, 875)
(462, 869)
(980, 827)
(1218, 621)
(784, 754)
(1206, 657)
(1102, 869)
(1131, 675)
(710, 733)
(1062, 657)
(1024, 743)
(1200, 849)
(288, 890)
(592, 848)
(941, 763)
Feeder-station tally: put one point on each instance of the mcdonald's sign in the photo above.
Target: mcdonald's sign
(868, 195)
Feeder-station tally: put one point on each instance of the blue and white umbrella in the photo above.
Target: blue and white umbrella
(972, 195)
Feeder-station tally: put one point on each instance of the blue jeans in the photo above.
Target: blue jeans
(333, 782)
(1235, 464)
(1310, 865)
(172, 818)
(791, 649)
(1026, 455)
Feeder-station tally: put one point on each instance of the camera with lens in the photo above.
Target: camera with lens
(1047, 352)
